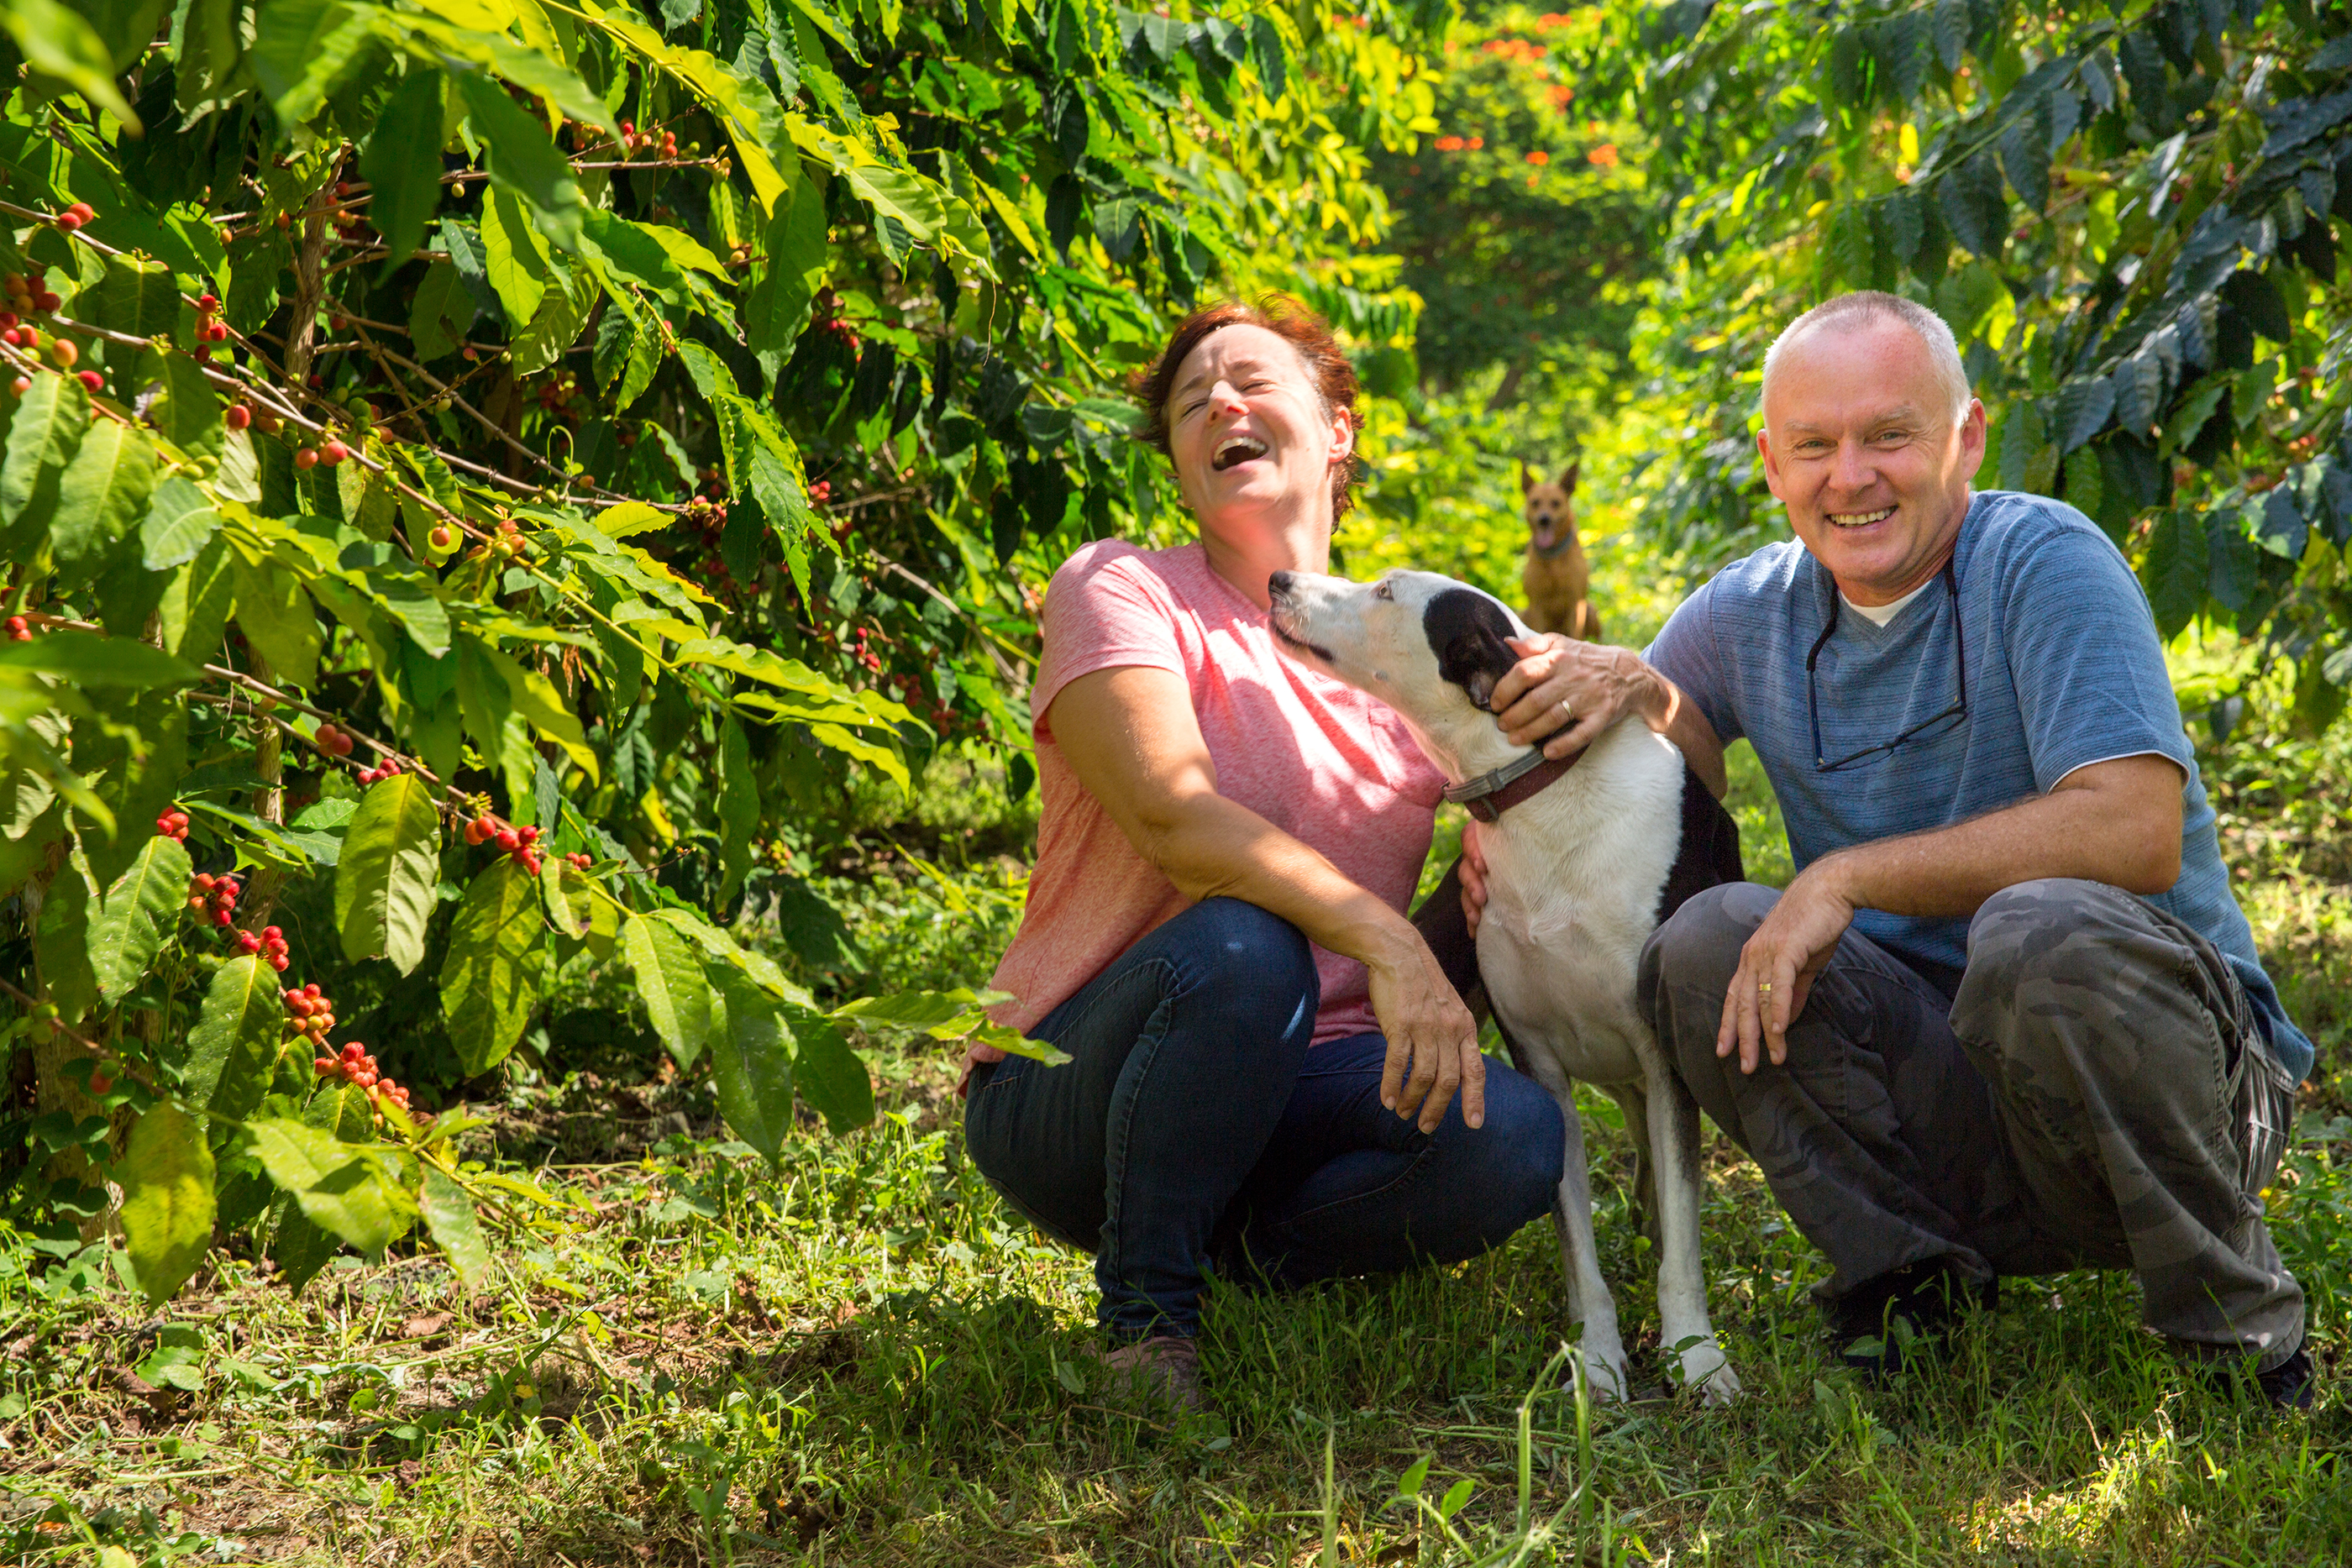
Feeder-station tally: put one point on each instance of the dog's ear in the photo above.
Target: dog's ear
(1568, 477)
(1527, 479)
(1466, 631)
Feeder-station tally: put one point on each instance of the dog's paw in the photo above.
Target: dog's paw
(1706, 1369)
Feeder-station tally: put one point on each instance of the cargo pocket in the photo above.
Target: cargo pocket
(2264, 1112)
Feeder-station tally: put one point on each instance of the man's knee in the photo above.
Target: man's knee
(2054, 945)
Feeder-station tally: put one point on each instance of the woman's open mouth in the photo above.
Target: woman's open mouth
(1235, 449)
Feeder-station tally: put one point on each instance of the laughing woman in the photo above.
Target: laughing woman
(1271, 1074)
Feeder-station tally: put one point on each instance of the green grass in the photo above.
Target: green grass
(865, 1358)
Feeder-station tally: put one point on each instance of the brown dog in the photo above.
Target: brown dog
(1556, 577)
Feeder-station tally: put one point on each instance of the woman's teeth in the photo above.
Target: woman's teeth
(1859, 519)
(1236, 449)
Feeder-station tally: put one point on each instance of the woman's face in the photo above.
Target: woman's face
(1248, 431)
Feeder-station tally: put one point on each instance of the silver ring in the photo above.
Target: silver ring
(1566, 711)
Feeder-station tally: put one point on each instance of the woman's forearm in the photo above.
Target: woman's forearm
(1211, 847)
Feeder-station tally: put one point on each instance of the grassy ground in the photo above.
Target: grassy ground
(864, 1358)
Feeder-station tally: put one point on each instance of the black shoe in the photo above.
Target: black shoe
(1879, 1322)
(2290, 1385)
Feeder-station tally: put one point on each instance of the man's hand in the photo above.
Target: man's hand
(1558, 680)
(1432, 1039)
(1473, 877)
(1779, 964)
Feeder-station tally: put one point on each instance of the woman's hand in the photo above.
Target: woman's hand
(1572, 691)
(1432, 1039)
(1569, 691)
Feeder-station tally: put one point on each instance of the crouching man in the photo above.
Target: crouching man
(2008, 1019)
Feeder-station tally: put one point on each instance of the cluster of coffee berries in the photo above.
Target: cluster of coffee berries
(821, 492)
(389, 768)
(328, 453)
(270, 945)
(312, 1010)
(73, 217)
(210, 327)
(579, 862)
(27, 295)
(349, 224)
(173, 823)
(556, 392)
(354, 1065)
(213, 897)
(632, 139)
(866, 654)
(505, 545)
(516, 844)
(333, 741)
(19, 629)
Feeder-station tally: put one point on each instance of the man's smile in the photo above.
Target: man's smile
(1858, 520)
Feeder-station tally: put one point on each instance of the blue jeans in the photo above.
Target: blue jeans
(1195, 1134)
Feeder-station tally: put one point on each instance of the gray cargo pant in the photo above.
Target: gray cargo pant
(2097, 1093)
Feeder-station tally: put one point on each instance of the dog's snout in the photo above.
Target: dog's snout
(1278, 585)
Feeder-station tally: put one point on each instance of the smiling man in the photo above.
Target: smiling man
(2008, 1019)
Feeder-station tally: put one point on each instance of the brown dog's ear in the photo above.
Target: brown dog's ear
(1568, 477)
(1526, 480)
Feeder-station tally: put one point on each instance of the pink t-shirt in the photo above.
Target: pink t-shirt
(1332, 767)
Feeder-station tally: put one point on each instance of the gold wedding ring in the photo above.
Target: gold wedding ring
(1764, 987)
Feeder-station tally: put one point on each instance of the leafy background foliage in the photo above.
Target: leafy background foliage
(612, 430)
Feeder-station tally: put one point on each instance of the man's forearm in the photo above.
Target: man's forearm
(2112, 836)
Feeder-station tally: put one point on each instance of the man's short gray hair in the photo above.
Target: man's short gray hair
(1867, 305)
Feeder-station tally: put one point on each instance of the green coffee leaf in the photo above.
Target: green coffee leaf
(752, 1065)
(828, 1074)
(397, 161)
(341, 1188)
(489, 984)
(103, 493)
(234, 1042)
(166, 1172)
(389, 866)
(456, 1229)
(671, 981)
(129, 923)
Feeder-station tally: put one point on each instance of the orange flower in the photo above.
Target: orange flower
(1476, 142)
(1562, 96)
(1604, 156)
(1449, 144)
(1538, 157)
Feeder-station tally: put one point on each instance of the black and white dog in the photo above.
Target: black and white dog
(1584, 858)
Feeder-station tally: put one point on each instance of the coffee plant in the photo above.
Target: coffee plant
(475, 472)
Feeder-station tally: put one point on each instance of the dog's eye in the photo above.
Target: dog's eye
(1380, 591)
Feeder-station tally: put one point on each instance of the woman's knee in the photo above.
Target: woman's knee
(1260, 966)
(1527, 1144)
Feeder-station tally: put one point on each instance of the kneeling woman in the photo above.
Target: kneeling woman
(1267, 1054)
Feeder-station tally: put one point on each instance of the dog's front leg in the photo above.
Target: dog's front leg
(1681, 1274)
(1589, 1301)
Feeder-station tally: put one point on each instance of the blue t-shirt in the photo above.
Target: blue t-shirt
(2064, 669)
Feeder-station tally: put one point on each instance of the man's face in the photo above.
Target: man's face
(1859, 444)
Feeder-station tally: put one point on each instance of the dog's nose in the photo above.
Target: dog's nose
(1278, 585)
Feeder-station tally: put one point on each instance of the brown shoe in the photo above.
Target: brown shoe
(1167, 1364)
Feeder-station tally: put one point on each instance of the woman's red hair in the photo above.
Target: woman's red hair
(1327, 363)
